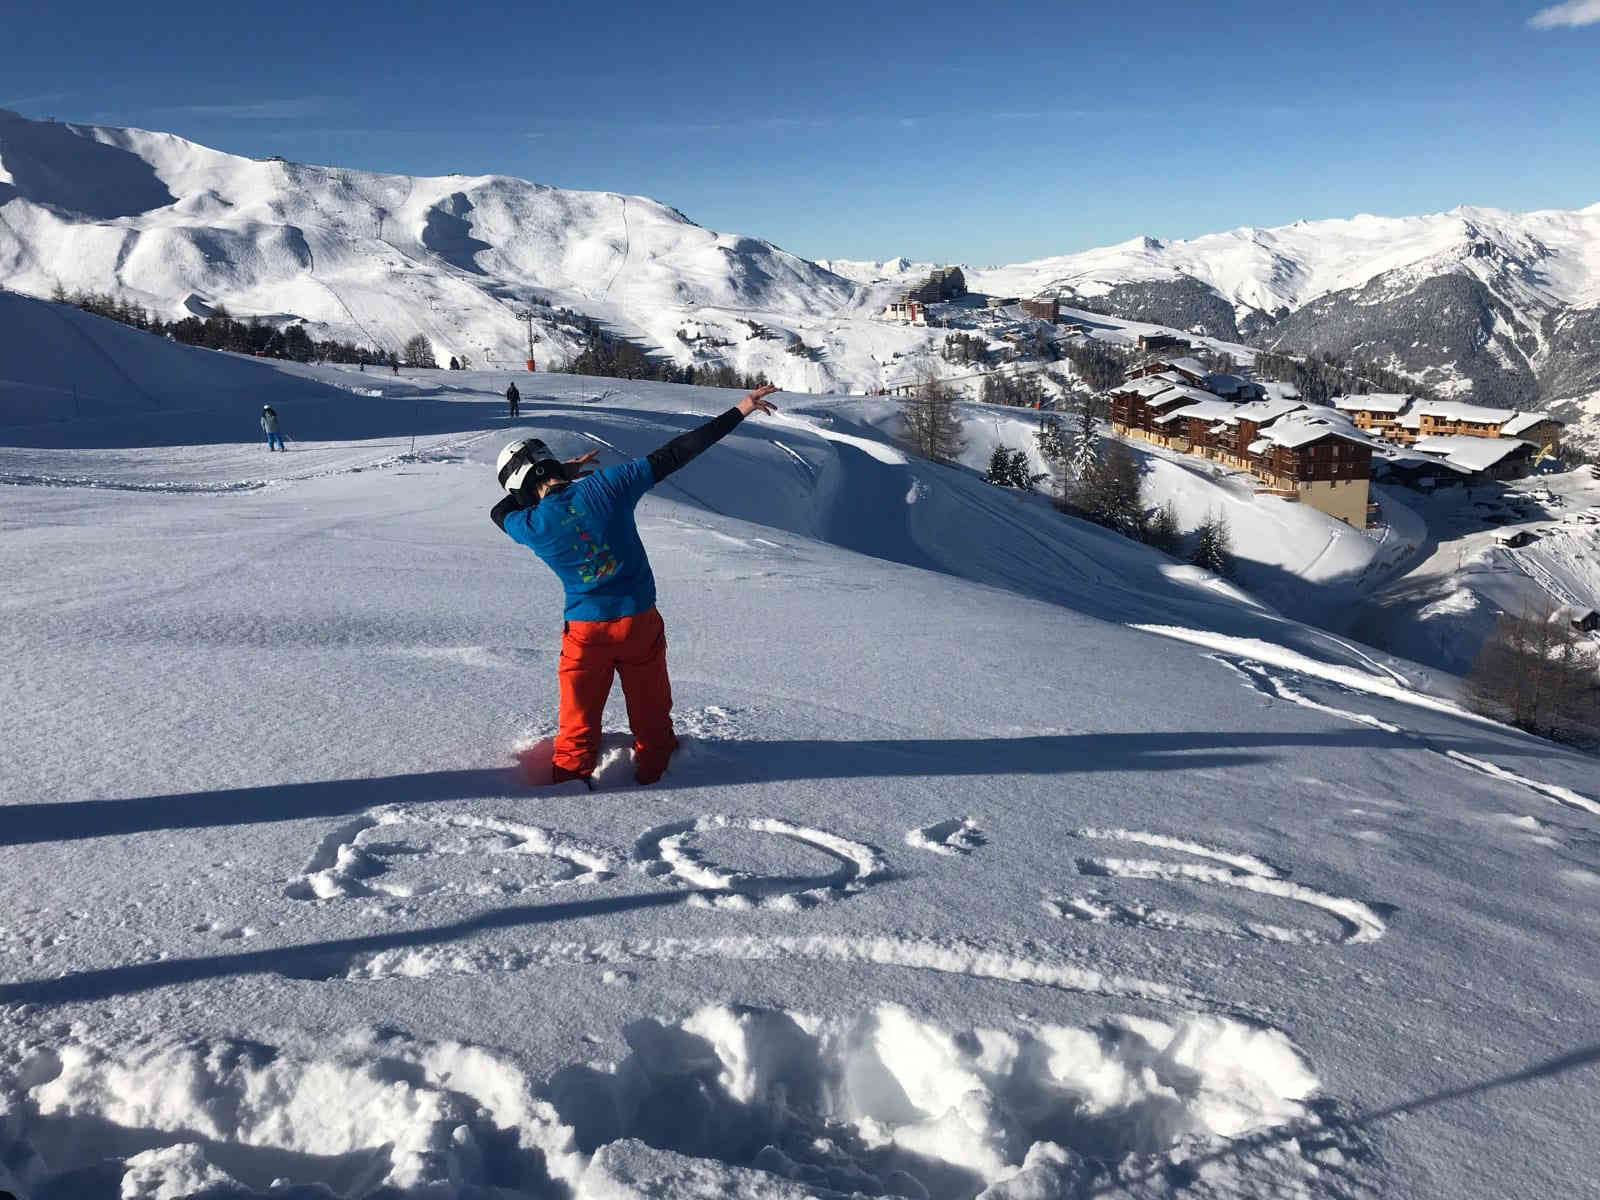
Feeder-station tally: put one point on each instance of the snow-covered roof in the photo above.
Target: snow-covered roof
(1302, 428)
(1456, 410)
(1389, 402)
(1278, 389)
(1148, 386)
(1179, 395)
(1205, 410)
(1523, 422)
(1469, 453)
(1223, 382)
(1189, 366)
(1264, 411)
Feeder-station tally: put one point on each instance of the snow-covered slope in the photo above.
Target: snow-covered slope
(1003, 856)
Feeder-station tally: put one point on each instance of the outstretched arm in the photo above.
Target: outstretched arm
(683, 448)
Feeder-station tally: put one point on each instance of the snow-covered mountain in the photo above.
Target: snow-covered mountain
(1501, 306)
(366, 257)
(1504, 307)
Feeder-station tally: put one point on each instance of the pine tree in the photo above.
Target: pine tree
(999, 472)
(1009, 468)
(1084, 454)
(1213, 547)
(1112, 492)
(1051, 439)
(1164, 532)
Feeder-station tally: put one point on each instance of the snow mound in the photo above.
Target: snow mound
(731, 1101)
(889, 1102)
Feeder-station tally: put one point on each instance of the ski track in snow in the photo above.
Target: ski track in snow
(806, 469)
(1359, 922)
(958, 835)
(439, 452)
(669, 851)
(1258, 676)
(16, 479)
(943, 956)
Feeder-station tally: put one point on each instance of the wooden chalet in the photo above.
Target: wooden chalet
(1376, 412)
(1309, 459)
(1480, 459)
(1189, 428)
(1541, 429)
(1230, 439)
(1191, 370)
(1233, 387)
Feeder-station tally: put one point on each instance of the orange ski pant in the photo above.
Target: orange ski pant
(592, 652)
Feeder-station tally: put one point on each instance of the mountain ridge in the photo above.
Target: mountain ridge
(1475, 302)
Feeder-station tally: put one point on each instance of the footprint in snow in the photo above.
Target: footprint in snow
(958, 835)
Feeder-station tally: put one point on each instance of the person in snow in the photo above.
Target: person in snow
(269, 426)
(514, 398)
(582, 525)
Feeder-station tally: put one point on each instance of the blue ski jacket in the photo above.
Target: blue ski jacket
(585, 531)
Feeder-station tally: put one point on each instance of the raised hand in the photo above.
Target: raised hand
(757, 401)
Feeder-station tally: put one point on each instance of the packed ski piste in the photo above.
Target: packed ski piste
(749, 808)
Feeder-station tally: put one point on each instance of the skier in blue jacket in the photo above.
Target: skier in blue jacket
(582, 526)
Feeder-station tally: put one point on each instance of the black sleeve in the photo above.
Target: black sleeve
(685, 446)
(504, 509)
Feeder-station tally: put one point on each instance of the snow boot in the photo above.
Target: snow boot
(562, 775)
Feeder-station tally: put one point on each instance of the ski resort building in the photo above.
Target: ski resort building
(1313, 456)
(906, 311)
(1480, 459)
(1541, 429)
(1398, 417)
(1136, 406)
(1376, 412)
(1450, 418)
(1042, 309)
(945, 283)
(1153, 342)
(1230, 438)
(1191, 370)
(1306, 457)
(1233, 387)
(1189, 428)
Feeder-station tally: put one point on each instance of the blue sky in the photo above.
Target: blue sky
(979, 133)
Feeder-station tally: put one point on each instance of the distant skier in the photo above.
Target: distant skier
(582, 525)
(269, 426)
(514, 399)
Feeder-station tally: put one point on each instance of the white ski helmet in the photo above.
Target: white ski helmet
(517, 462)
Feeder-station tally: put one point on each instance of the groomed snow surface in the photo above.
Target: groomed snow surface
(1002, 858)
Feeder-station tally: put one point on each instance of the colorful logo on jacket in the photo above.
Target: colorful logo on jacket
(598, 561)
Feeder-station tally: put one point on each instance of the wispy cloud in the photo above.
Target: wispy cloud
(260, 110)
(26, 101)
(1572, 15)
